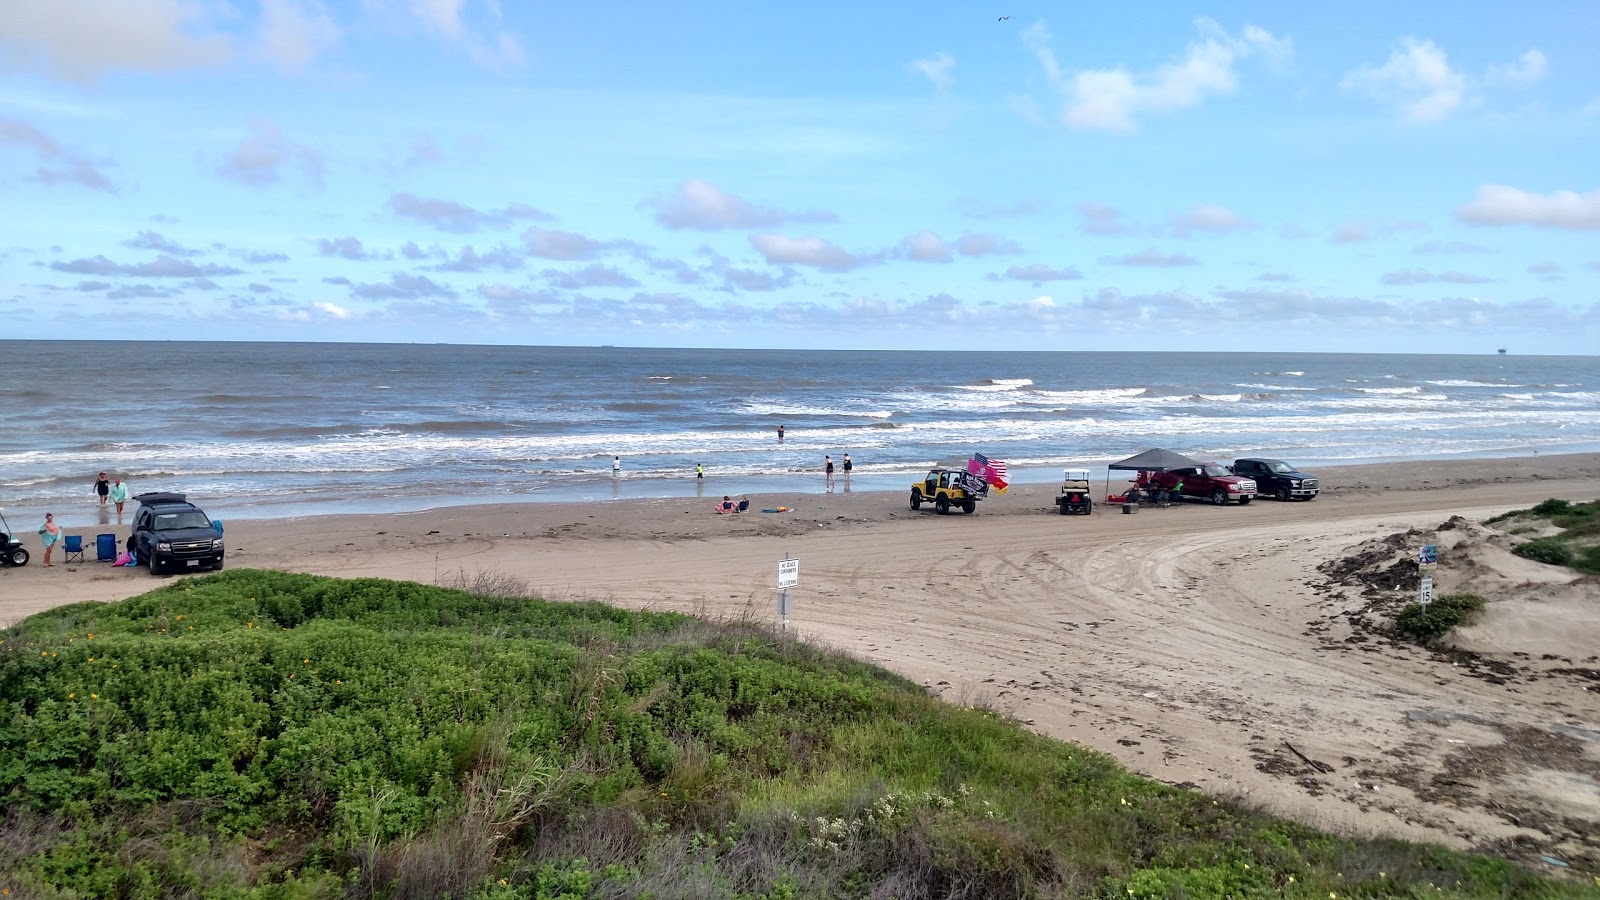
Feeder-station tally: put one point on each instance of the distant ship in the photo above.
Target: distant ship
(1501, 351)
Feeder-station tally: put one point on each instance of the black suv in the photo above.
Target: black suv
(170, 531)
(1276, 478)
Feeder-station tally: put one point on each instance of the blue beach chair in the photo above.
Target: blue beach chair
(73, 548)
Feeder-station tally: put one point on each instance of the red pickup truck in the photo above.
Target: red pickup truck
(1208, 481)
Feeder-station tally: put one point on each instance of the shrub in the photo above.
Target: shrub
(1549, 550)
(1443, 614)
(1553, 506)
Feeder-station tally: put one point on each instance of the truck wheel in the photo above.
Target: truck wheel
(1219, 497)
(941, 505)
(969, 506)
(19, 557)
(1281, 494)
(218, 566)
(155, 567)
(916, 499)
(1245, 501)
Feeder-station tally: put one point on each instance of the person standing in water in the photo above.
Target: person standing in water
(780, 434)
(616, 466)
(847, 466)
(827, 472)
(119, 496)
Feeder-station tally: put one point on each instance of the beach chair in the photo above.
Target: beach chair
(105, 547)
(73, 547)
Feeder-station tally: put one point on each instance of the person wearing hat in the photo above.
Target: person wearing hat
(102, 486)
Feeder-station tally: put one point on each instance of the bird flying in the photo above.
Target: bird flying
(1002, 18)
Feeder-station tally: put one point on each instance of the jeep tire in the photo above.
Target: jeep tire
(941, 505)
(916, 499)
(968, 506)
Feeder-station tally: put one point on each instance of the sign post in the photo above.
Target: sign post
(788, 577)
(1427, 560)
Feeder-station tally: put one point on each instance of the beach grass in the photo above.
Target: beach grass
(1575, 542)
(269, 735)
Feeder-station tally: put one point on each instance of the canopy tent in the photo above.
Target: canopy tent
(1153, 460)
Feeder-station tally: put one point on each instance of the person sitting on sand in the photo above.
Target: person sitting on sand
(744, 505)
(726, 506)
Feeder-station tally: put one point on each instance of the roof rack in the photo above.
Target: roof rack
(153, 497)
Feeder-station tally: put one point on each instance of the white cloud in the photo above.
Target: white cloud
(1417, 78)
(56, 163)
(547, 243)
(925, 246)
(1207, 218)
(1038, 273)
(330, 309)
(264, 151)
(448, 215)
(489, 47)
(1151, 258)
(82, 39)
(1112, 99)
(1529, 69)
(936, 69)
(807, 251)
(1099, 218)
(704, 206)
(1497, 204)
(293, 33)
(970, 244)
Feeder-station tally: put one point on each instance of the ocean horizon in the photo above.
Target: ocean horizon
(254, 430)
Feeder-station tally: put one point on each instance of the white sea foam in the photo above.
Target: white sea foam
(1461, 382)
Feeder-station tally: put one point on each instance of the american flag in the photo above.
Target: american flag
(996, 467)
(991, 470)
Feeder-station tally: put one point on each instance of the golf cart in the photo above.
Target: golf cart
(12, 553)
(1074, 496)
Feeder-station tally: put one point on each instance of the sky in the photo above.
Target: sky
(1230, 176)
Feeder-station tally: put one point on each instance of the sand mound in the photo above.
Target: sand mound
(1533, 609)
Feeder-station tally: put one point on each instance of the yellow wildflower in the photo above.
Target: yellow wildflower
(94, 696)
(71, 696)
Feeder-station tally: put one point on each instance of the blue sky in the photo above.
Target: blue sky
(1231, 176)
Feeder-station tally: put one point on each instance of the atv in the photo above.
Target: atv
(12, 553)
(945, 488)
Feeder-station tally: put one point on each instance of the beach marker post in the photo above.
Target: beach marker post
(788, 577)
(1427, 559)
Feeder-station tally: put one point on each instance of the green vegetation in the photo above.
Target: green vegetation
(267, 735)
(1443, 614)
(1576, 545)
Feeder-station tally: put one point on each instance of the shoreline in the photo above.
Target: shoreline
(601, 487)
(1189, 643)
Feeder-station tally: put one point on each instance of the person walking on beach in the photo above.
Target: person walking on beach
(119, 496)
(827, 472)
(102, 486)
(616, 466)
(699, 471)
(49, 534)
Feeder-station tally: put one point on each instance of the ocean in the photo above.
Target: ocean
(272, 429)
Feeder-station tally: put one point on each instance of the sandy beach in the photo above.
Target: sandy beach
(1235, 649)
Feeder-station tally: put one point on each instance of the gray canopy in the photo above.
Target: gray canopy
(1154, 460)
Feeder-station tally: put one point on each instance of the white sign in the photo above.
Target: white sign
(1425, 596)
(788, 573)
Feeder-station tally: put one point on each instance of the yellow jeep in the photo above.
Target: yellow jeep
(945, 488)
